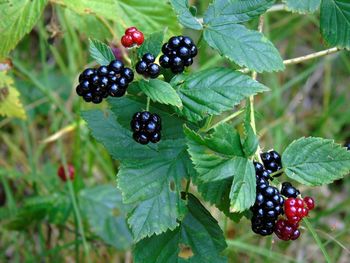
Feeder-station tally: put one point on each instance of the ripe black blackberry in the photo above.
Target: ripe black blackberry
(97, 84)
(289, 191)
(178, 53)
(268, 203)
(146, 127)
(272, 161)
(147, 67)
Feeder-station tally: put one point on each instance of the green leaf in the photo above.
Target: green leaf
(303, 6)
(225, 12)
(315, 161)
(243, 192)
(127, 13)
(335, 22)
(115, 138)
(103, 208)
(124, 108)
(10, 105)
(215, 157)
(198, 230)
(184, 15)
(245, 47)
(159, 91)
(100, 52)
(220, 156)
(213, 91)
(218, 193)
(153, 44)
(157, 204)
(18, 17)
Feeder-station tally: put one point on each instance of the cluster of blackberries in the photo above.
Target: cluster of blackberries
(268, 203)
(147, 67)
(178, 53)
(97, 84)
(146, 127)
(272, 161)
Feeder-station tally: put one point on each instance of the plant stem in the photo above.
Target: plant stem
(251, 98)
(148, 103)
(75, 205)
(277, 172)
(302, 59)
(187, 186)
(275, 8)
(317, 239)
(228, 118)
(311, 56)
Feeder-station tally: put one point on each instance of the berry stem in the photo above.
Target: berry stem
(317, 239)
(277, 172)
(148, 103)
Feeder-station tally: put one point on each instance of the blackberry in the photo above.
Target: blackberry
(97, 84)
(272, 161)
(178, 53)
(268, 203)
(288, 190)
(147, 67)
(347, 146)
(146, 127)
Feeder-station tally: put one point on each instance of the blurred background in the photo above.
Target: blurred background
(43, 219)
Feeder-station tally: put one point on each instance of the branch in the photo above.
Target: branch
(311, 56)
(301, 59)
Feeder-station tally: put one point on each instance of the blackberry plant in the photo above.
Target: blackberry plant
(200, 145)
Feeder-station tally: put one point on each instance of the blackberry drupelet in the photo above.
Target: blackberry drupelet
(97, 84)
(146, 127)
(147, 67)
(178, 53)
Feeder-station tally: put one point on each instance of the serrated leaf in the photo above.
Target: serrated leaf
(159, 91)
(335, 22)
(244, 47)
(184, 15)
(17, 19)
(148, 16)
(315, 161)
(100, 205)
(10, 105)
(213, 91)
(215, 156)
(124, 108)
(198, 230)
(243, 191)
(218, 193)
(303, 6)
(158, 203)
(99, 51)
(152, 44)
(224, 12)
